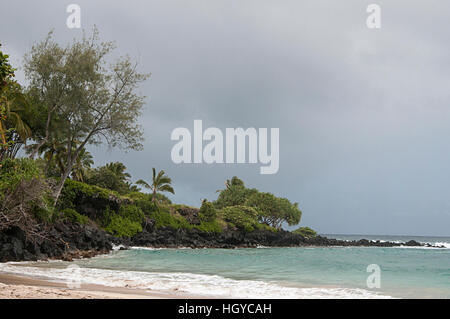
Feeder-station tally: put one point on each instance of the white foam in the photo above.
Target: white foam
(194, 284)
(145, 248)
(438, 244)
(157, 248)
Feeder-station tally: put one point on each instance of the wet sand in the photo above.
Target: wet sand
(17, 287)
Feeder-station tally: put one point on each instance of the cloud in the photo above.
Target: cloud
(363, 114)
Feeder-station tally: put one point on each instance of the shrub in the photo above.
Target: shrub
(24, 195)
(73, 216)
(210, 227)
(131, 212)
(235, 194)
(112, 176)
(75, 191)
(125, 223)
(161, 198)
(123, 227)
(273, 210)
(242, 217)
(15, 171)
(207, 212)
(90, 200)
(163, 218)
(305, 232)
(143, 201)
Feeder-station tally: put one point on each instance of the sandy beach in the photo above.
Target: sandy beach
(16, 287)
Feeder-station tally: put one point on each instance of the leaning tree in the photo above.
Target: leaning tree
(85, 99)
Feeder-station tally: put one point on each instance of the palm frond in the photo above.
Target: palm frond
(143, 183)
(167, 188)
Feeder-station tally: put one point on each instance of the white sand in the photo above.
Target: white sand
(15, 287)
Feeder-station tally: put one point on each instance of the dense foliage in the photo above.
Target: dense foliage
(73, 216)
(112, 176)
(160, 183)
(126, 223)
(207, 212)
(241, 217)
(271, 210)
(24, 195)
(76, 98)
(88, 100)
(234, 194)
(305, 232)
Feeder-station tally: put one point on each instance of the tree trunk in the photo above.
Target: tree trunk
(45, 139)
(36, 149)
(47, 164)
(71, 159)
(60, 185)
(2, 132)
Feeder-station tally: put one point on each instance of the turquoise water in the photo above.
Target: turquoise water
(270, 272)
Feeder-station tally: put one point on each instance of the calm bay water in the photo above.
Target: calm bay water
(332, 272)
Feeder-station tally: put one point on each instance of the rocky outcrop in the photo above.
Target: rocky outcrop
(169, 237)
(62, 241)
(67, 241)
(189, 213)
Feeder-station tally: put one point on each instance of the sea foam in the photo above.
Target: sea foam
(185, 283)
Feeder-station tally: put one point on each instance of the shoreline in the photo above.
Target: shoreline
(37, 284)
(64, 242)
(26, 287)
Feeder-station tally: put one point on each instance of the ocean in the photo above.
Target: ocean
(300, 272)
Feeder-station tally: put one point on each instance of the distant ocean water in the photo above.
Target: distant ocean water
(324, 272)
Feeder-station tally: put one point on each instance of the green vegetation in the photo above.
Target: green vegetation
(214, 226)
(123, 227)
(127, 222)
(76, 193)
(207, 212)
(241, 217)
(305, 232)
(87, 99)
(76, 98)
(160, 183)
(73, 216)
(271, 210)
(15, 111)
(234, 194)
(164, 218)
(112, 176)
(25, 199)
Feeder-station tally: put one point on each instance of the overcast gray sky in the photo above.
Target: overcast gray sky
(364, 115)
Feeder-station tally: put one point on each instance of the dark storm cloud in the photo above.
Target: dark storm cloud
(363, 114)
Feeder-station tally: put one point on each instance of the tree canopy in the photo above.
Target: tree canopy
(87, 99)
(272, 210)
(160, 183)
(112, 176)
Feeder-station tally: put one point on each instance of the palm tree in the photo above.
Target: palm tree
(160, 183)
(235, 181)
(51, 151)
(82, 164)
(119, 169)
(13, 104)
